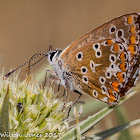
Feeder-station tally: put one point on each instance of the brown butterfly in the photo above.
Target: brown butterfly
(104, 63)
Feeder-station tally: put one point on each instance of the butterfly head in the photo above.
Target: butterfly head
(56, 63)
(53, 55)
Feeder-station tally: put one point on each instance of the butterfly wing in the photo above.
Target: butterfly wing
(104, 62)
(126, 25)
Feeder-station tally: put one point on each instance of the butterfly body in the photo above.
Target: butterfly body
(104, 63)
(63, 75)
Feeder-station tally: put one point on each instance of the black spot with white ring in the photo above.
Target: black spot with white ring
(124, 75)
(96, 46)
(112, 58)
(108, 74)
(84, 70)
(115, 94)
(98, 54)
(120, 33)
(95, 93)
(121, 47)
(126, 65)
(79, 56)
(102, 80)
(112, 66)
(112, 29)
(125, 56)
(85, 79)
(104, 89)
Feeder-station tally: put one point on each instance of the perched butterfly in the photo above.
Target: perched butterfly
(104, 63)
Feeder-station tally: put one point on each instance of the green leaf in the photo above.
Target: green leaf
(109, 132)
(121, 119)
(4, 117)
(94, 119)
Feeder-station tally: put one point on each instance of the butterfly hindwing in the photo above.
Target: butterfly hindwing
(100, 69)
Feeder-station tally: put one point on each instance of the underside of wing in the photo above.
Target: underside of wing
(105, 61)
(103, 69)
(125, 26)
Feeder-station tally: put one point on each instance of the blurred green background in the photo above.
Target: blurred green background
(28, 27)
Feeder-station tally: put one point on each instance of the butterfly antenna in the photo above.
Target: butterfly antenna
(50, 47)
(29, 61)
(30, 66)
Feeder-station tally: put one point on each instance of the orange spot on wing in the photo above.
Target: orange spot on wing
(122, 56)
(133, 39)
(112, 97)
(133, 29)
(115, 89)
(120, 76)
(130, 20)
(116, 48)
(111, 101)
(110, 91)
(110, 42)
(122, 66)
(115, 84)
(131, 48)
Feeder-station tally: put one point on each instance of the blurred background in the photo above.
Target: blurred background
(28, 27)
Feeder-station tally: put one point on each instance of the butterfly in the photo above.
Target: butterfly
(103, 63)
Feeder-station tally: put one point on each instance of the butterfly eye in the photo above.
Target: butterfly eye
(79, 56)
(52, 55)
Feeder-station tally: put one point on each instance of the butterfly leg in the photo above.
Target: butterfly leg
(58, 89)
(65, 95)
(74, 102)
(52, 76)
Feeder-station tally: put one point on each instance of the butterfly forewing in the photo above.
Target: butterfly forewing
(104, 62)
(106, 31)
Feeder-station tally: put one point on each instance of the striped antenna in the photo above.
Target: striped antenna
(28, 62)
(30, 66)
